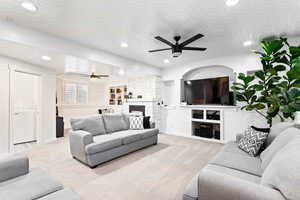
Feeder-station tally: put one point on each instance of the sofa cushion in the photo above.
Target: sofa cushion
(283, 172)
(92, 124)
(37, 183)
(232, 147)
(232, 157)
(65, 194)
(252, 141)
(235, 173)
(277, 129)
(145, 133)
(114, 122)
(149, 133)
(103, 143)
(128, 136)
(280, 141)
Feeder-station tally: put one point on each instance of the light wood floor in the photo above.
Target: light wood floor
(159, 172)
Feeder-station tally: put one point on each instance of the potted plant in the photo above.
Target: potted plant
(273, 91)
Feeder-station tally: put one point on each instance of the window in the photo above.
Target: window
(75, 93)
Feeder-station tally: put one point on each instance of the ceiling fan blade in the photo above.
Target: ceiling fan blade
(102, 76)
(192, 39)
(159, 50)
(76, 74)
(194, 48)
(164, 41)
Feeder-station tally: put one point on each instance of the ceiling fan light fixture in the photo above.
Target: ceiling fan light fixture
(177, 54)
(230, 3)
(93, 77)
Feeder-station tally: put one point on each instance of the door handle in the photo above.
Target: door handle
(16, 113)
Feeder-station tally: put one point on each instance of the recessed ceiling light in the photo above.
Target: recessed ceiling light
(29, 6)
(247, 43)
(124, 45)
(47, 58)
(166, 61)
(231, 2)
(121, 72)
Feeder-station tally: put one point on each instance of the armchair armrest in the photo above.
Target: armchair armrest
(13, 166)
(78, 141)
(217, 186)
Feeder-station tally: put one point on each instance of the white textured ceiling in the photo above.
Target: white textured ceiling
(104, 24)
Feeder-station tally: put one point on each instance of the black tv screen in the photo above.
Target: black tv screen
(207, 91)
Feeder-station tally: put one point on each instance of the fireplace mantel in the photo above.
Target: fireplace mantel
(151, 108)
(140, 100)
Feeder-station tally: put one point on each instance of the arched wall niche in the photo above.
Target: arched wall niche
(206, 72)
(212, 71)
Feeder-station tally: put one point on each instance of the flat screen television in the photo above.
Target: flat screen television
(207, 91)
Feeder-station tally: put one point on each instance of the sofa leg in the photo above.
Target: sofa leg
(93, 167)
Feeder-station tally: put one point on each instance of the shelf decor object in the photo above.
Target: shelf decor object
(118, 95)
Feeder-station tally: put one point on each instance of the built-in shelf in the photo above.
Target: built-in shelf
(207, 123)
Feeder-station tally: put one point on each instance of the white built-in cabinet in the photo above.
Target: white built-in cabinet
(179, 120)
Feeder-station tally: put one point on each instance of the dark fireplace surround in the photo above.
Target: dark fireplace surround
(138, 108)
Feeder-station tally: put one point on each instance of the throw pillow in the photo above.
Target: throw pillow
(252, 141)
(266, 130)
(280, 141)
(283, 172)
(136, 123)
(114, 122)
(146, 122)
(92, 124)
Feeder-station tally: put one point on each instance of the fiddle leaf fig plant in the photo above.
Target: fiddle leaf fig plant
(273, 91)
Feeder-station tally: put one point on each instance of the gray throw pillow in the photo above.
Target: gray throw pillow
(92, 124)
(252, 141)
(283, 172)
(276, 129)
(279, 142)
(114, 122)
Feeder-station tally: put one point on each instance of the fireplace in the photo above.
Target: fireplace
(138, 108)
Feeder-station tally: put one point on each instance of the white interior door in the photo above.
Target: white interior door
(25, 117)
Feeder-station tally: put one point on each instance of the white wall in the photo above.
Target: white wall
(48, 124)
(96, 100)
(147, 86)
(176, 119)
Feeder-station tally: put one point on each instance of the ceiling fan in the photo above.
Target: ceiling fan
(177, 48)
(91, 76)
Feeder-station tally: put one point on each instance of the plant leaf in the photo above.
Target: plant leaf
(280, 68)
